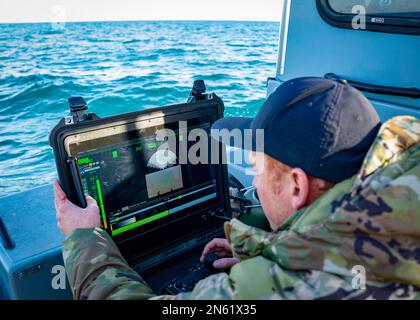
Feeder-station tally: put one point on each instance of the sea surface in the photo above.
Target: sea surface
(118, 67)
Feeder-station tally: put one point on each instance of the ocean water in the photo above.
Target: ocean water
(118, 67)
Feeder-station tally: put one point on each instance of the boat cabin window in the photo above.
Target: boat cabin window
(393, 16)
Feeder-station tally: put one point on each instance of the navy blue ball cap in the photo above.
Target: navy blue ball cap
(323, 126)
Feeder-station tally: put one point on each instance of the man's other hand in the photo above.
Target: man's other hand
(71, 217)
(222, 248)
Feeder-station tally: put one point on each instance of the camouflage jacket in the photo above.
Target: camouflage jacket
(367, 227)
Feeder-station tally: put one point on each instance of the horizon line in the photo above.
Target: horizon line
(147, 20)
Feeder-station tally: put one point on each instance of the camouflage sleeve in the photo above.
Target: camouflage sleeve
(260, 278)
(96, 270)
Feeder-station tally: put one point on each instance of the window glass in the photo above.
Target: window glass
(392, 8)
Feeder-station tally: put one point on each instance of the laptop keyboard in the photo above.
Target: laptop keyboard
(187, 281)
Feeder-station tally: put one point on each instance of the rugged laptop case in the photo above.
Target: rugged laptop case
(184, 233)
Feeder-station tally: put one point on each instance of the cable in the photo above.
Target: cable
(213, 214)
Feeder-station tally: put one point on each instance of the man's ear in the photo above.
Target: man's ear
(300, 190)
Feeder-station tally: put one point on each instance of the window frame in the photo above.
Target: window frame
(386, 23)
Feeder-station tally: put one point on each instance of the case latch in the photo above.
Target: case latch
(78, 107)
(197, 91)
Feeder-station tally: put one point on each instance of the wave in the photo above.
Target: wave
(101, 40)
(52, 31)
(133, 41)
(214, 76)
(240, 45)
(171, 51)
(13, 80)
(29, 96)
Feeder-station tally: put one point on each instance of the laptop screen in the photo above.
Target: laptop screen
(141, 181)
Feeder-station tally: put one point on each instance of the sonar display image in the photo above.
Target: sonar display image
(161, 159)
(164, 181)
(135, 183)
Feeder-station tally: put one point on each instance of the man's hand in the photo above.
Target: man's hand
(222, 248)
(71, 217)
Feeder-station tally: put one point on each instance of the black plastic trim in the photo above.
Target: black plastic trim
(270, 79)
(8, 242)
(410, 26)
(413, 93)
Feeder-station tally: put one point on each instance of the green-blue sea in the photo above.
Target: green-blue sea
(118, 67)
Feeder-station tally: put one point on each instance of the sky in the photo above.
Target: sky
(12, 11)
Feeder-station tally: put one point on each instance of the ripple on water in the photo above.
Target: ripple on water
(118, 67)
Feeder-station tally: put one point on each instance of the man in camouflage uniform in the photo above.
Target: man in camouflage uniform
(367, 223)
